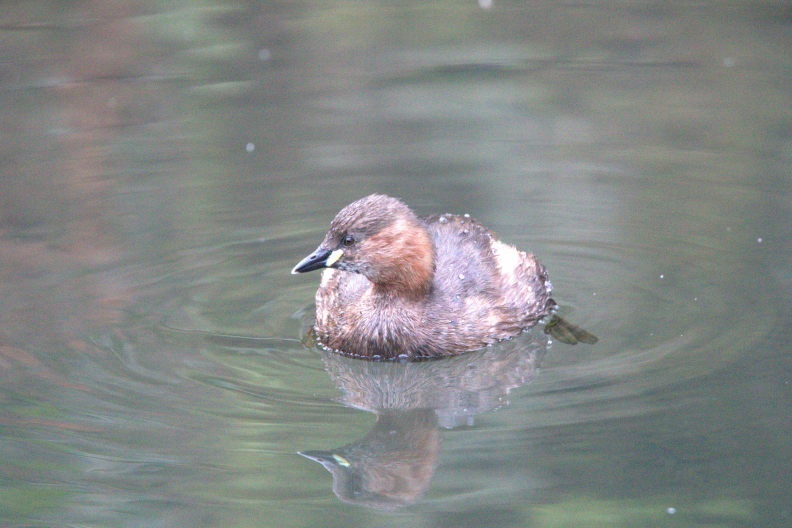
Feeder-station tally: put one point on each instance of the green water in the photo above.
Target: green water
(163, 166)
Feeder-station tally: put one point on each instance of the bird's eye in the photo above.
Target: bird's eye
(348, 240)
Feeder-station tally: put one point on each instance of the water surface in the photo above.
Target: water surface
(164, 167)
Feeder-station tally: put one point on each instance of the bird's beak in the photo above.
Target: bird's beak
(321, 258)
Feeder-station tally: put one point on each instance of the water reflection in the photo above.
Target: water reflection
(392, 465)
(389, 467)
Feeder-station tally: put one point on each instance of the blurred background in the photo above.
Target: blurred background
(163, 165)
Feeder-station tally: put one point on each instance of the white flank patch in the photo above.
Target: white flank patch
(507, 257)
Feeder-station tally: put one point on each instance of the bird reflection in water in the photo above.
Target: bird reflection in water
(393, 464)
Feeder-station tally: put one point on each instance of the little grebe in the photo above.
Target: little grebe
(400, 286)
